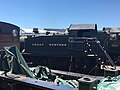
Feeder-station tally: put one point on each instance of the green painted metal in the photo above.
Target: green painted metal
(109, 83)
(12, 61)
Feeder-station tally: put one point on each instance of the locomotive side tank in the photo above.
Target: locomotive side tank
(47, 45)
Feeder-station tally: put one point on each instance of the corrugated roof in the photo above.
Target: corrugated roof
(82, 26)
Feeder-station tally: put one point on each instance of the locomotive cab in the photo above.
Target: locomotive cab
(82, 30)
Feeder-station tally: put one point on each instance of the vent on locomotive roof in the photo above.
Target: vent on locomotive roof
(82, 30)
(35, 30)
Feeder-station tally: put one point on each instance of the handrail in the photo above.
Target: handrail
(106, 54)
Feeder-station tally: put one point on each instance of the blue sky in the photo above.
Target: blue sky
(60, 13)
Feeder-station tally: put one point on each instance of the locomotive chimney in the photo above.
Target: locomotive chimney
(35, 30)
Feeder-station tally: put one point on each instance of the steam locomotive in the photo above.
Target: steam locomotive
(80, 48)
(76, 50)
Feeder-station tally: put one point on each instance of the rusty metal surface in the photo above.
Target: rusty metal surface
(34, 83)
(77, 75)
